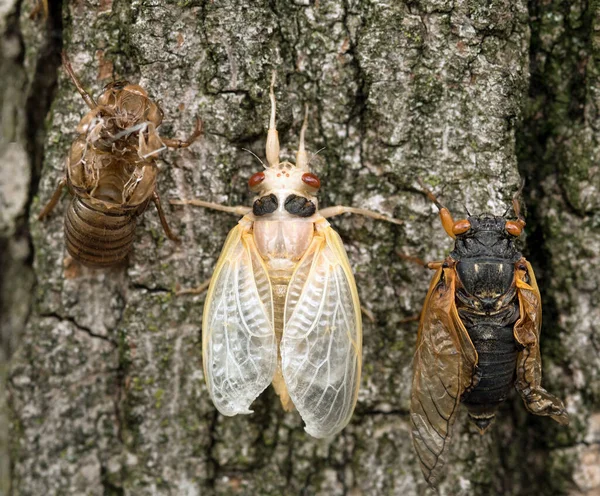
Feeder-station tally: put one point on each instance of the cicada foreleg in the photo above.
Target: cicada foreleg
(84, 94)
(54, 200)
(194, 291)
(340, 209)
(451, 226)
(236, 209)
(421, 262)
(40, 6)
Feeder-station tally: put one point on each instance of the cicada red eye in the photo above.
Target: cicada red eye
(514, 228)
(256, 179)
(461, 227)
(311, 180)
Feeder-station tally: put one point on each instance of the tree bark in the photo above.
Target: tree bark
(106, 393)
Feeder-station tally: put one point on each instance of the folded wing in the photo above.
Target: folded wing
(444, 363)
(322, 339)
(238, 343)
(529, 363)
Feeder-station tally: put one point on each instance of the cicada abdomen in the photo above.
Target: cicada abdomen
(96, 236)
(111, 172)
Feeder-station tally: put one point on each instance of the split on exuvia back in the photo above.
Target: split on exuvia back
(111, 172)
(479, 335)
(282, 306)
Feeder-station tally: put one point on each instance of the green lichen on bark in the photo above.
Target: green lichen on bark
(107, 389)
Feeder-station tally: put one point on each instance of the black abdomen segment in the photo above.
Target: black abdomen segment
(497, 350)
(97, 237)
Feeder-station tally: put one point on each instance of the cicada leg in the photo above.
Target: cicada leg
(177, 143)
(194, 291)
(84, 94)
(40, 6)
(236, 210)
(368, 314)
(54, 200)
(421, 262)
(163, 219)
(340, 209)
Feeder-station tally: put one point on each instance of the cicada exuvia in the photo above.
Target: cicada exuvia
(282, 306)
(479, 335)
(111, 172)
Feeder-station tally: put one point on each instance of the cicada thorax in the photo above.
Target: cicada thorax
(130, 104)
(488, 305)
(283, 229)
(109, 193)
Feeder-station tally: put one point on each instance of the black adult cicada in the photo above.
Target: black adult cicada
(478, 335)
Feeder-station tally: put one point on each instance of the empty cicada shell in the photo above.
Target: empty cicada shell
(111, 172)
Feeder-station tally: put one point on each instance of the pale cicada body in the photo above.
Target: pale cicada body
(282, 306)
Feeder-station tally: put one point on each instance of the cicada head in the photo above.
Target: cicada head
(284, 187)
(486, 235)
(134, 101)
(492, 234)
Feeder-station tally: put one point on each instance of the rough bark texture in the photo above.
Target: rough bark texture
(106, 391)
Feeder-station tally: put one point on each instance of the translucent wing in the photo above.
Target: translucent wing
(238, 343)
(444, 362)
(322, 338)
(529, 363)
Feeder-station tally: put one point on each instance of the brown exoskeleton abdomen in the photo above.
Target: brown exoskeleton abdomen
(111, 172)
(96, 236)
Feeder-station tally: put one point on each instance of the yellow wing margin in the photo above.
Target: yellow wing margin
(444, 364)
(529, 362)
(239, 349)
(321, 348)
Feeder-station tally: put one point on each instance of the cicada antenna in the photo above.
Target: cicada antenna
(301, 155)
(252, 153)
(315, 154)
(272, 146)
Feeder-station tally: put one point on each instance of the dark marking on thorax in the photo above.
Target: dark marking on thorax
(300, 206)
(265, 205)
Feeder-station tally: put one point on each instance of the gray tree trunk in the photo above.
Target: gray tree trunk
(105, 389)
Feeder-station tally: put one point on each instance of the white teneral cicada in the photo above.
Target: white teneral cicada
(282, 306)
